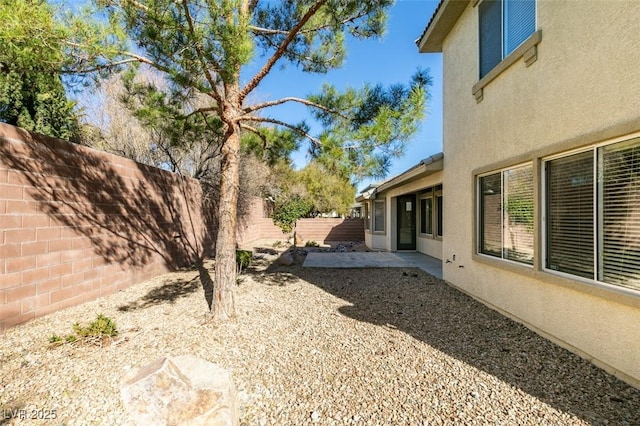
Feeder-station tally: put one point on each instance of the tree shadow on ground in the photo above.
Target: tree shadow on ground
(173, 288)
(431, 311)
(130, 213)
(169, 292)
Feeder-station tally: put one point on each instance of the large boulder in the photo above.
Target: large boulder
(182, 390)
(285, 259)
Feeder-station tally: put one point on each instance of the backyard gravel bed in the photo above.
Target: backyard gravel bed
(317, 346)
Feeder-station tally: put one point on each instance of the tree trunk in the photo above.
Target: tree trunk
(225, 270)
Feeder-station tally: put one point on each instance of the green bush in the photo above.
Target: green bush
(101, 329)
(311, 244)
(286, 213)
(243, 259)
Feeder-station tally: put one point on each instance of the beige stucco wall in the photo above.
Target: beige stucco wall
(583, 89)
(388, 239)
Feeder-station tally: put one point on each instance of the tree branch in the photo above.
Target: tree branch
(295, 129)
(134, 57)
(207, 72)
(101, 67)
(257, 132)
(138, 5)
(281, 50)
(269, 31)
(306, 102)
(199, 111)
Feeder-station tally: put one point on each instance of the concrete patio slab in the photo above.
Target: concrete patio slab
(428, 264)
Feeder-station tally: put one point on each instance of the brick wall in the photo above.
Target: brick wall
(324, 230)
(77, 224)
(256, 227)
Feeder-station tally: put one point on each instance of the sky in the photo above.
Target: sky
(393, 59)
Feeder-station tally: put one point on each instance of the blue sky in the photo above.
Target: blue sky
(391, 60)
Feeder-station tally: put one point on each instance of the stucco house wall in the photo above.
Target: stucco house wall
(583, 89)
(387, 240)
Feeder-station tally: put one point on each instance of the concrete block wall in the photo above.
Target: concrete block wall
(324, 230)
(257, 227)
(77, 224)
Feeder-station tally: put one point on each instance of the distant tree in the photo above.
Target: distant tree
(289, 209)
(328, 192)
(205, 46)
(32, 94)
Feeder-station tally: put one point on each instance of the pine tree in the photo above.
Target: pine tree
(205, 46)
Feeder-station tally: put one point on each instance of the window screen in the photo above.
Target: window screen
(506, 214)
(517, 233)
(439, 213)
(426, 215)
(378, 216)
(620, 214)
(570, 213)
(491, 215)
(367, 216)
(519, 23)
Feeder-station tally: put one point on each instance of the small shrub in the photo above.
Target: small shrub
(311, 244)
(278, 244)
(100, 327)
(243, 259)
(55, 339)
(99, 330)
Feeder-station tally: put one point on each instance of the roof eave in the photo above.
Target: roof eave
(443, 20)
(424, 168)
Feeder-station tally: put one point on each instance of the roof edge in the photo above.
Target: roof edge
(440, 24)
(428, 165)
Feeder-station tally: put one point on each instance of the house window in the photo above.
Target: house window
(439, 215)
(506, 214)
(378, 216)
(431, 211)
(504, 25)
(426, 215)
(593, 214)
(367, 216)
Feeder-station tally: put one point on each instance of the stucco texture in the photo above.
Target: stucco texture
(583, 89)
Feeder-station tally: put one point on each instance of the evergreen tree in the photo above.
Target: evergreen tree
(205, 46)
(32, 95)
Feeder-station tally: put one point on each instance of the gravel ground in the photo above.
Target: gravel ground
(317, 346)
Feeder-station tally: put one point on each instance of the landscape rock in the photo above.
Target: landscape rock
(182, 390)
(285, 259)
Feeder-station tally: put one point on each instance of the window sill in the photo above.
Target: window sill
(605, 291)
(527, 50)
(379, 232)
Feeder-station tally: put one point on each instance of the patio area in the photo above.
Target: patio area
(429, 264)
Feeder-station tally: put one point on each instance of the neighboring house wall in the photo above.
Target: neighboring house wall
(583, 89)
(387, 240)
(77, 224)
